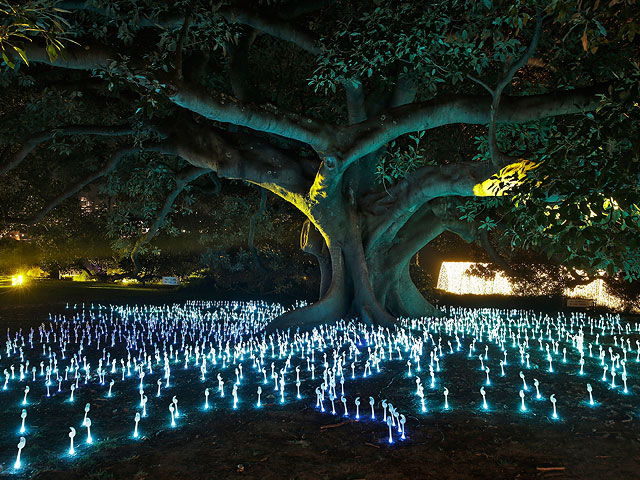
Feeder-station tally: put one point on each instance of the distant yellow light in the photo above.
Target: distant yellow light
(17, 280)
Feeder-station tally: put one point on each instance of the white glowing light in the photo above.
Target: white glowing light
(23, 415)
(522, 407)
(21, 445)
(137, 420)
(348, 351)
(455, 278)
(72, 433)
(87, 423)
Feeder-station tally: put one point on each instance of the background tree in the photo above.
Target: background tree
(376, 120)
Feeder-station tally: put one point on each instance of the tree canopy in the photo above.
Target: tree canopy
(510, 123)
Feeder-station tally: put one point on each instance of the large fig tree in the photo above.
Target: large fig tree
(385, 123)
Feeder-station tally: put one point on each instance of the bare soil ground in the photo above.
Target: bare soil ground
(298, 442)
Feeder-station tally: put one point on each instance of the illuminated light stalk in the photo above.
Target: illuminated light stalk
(72, 434)
(484, 398)
(23, 415)
(173, 418)
(524, 382)
(87, 424)
(21, 445)
(87, 407)
(175, 404)
(552, 398)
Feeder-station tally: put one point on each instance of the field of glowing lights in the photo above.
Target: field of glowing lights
(100, 384)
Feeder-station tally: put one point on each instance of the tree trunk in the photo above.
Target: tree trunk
(311, 241)
(375, 288)
(334, 305)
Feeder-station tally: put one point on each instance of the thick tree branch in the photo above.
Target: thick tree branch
(162, 147)
(239, 65)
(219, 107)
(467, 231)
(491, 251)
(497, 157)
(355, 100)
(244, 157)
(213, 176)
(365, 301)
(366, 137)
(33, 141)
(277, 27)
(252, 229)
(183, 178)
(427, 183)
(404, 91)
(419, 230)
(273, 26)
(264, 118)
(180, 45)
(312, 242)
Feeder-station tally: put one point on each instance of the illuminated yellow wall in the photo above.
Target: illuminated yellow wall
(454, 278)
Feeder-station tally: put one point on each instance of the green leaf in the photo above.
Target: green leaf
(23, 55)
(8, 60)
(52, 52)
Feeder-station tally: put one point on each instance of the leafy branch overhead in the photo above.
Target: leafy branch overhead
(22, 23)
(382, 123)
